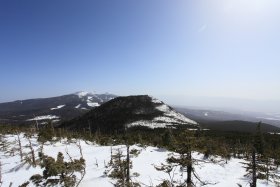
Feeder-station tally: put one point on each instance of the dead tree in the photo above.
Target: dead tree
(80, 148)
(127, 165)
(37, 126)
(170, 170)
(32, 152)
(20, 147)
(254, 169)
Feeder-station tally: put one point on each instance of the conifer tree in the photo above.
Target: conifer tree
(260, 165)
(46, 134)
(119, 169)
(184, 146)
(167, 138)
(58, 171)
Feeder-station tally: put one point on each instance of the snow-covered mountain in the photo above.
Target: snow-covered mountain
(132, 111)
(55, 108)
(169, 117)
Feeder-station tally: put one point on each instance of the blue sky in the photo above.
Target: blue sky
(170, 49)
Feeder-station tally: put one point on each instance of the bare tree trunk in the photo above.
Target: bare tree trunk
(111, 160)
(82, 177)
(20, 147)
(53, 128)
(254, 169)
(80, 148)
(37, 126)
(127, 166)
(32, 152)
(60, 134)
(189, 169)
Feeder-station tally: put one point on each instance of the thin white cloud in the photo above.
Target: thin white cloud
(202, 28)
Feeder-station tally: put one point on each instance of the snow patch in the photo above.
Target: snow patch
(163, 108)
(167, 119)
(171, 113)
(92, 104)
(78, 106)
(82, 94)
(274, 133)
(58, 107)
(150, 124)
(47, 117)
(156, 101)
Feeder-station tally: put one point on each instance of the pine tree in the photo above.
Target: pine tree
(260, 165)
(184, 146)
(259, 143)
(46, 134)
(58, 171)
(119, 169)
(167, 138)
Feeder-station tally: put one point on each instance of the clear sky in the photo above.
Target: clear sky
(175, 50)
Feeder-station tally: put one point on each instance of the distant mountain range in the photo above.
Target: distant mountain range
(128, 112)
(110, 112)
(57, 109)
(227, 121)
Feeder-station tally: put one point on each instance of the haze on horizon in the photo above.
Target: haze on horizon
(219, 53)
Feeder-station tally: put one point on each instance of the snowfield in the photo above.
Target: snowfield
(221, 174)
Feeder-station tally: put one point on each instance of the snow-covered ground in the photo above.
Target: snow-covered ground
(96, 156)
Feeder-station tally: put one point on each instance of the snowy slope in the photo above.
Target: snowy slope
(170, 117)
(222, 174)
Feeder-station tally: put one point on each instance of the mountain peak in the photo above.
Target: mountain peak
(83, 93)
(131, 111)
